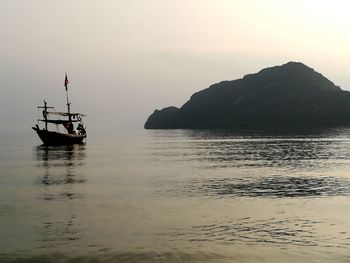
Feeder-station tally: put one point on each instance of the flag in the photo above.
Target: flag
(66, 82)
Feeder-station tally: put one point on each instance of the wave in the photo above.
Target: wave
(122, 257)
(232, 255)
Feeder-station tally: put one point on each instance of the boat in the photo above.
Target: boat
(70, 135)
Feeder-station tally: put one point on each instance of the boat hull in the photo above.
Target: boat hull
(56, 138)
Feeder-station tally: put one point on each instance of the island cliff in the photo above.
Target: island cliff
(288, 95)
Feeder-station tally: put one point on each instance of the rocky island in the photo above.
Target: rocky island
(292, 94)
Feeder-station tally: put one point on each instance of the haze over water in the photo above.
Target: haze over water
(177, 196)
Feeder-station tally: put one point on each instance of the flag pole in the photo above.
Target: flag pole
(68, 103)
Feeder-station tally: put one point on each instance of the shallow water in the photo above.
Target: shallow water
(177, 196)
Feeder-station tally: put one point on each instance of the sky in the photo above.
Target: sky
(124, 59)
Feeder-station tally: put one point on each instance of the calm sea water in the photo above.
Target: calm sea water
(177, 196)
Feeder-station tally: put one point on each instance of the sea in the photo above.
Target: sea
(259, 195)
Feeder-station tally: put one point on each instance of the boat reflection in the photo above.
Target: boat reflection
(60, 163)
(60, 191)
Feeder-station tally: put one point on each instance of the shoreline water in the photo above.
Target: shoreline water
(177, 196)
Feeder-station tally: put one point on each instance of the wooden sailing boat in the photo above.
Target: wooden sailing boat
(70, 135)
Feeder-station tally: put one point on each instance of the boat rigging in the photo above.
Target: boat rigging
(71, 135)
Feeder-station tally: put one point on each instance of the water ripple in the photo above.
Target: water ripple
(274, 186)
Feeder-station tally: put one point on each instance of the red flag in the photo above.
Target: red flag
(66, 82)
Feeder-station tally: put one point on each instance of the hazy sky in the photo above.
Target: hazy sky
(125, 58)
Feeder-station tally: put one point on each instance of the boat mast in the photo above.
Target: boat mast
(45, 112)
(68, 106)
(68, 103)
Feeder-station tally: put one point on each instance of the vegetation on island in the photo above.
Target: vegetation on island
(292, 94)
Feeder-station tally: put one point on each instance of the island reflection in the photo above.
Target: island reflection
(238, 163)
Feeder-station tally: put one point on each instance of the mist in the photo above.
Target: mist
(126, 58)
